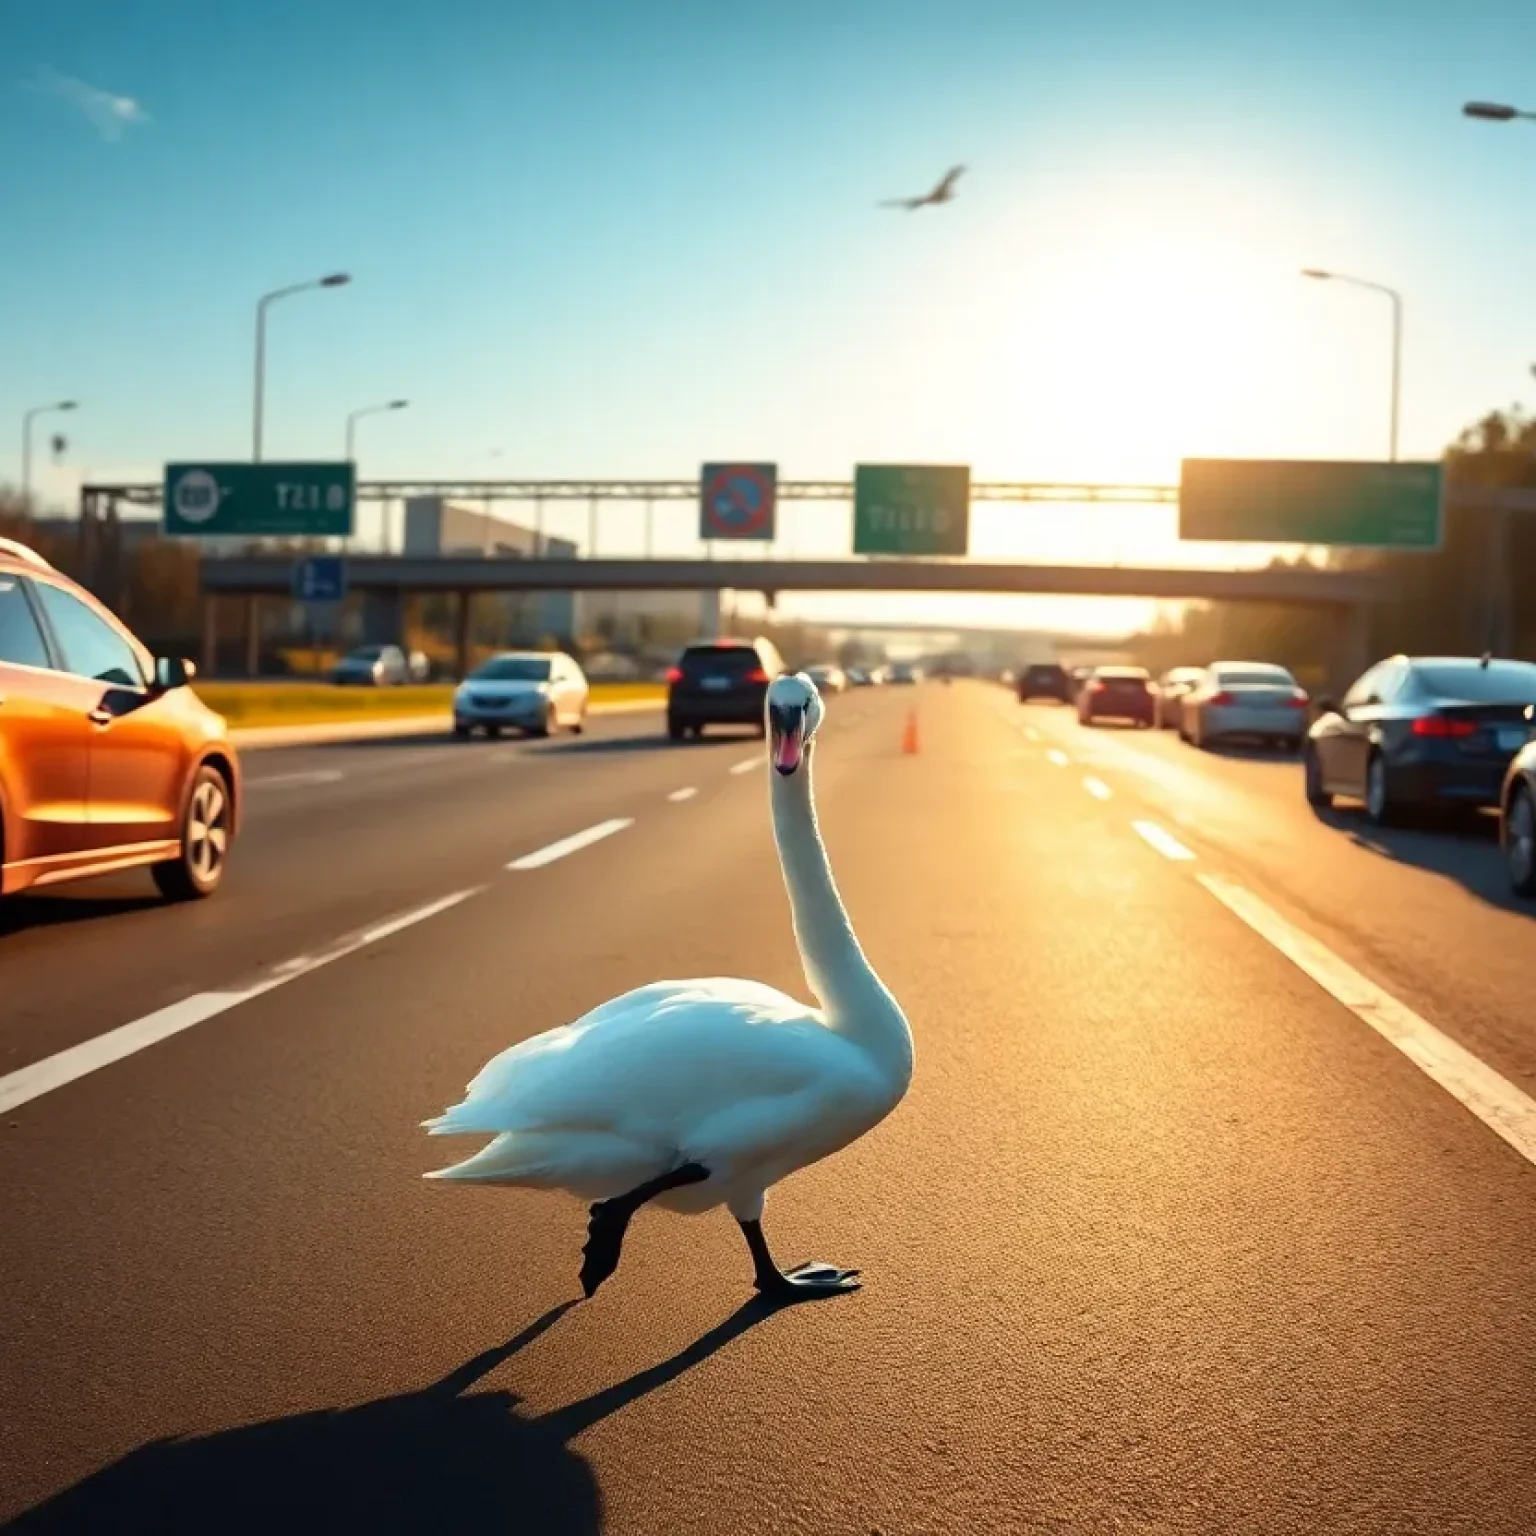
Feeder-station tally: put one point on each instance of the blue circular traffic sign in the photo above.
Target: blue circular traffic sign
(738, 501)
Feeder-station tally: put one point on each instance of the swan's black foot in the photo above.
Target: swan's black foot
(806, 1282)
(608, 1221)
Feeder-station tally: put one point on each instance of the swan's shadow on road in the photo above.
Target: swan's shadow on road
(440, 1459)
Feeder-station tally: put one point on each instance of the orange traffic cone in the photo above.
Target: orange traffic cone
(909, 735)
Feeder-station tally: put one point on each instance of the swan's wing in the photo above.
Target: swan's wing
(655, 1061)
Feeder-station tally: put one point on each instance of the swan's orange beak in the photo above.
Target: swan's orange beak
(786, 737)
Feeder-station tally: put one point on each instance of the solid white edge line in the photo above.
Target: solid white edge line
(572, 844)
(65, 1067)
(1097, 788)
(748, 765)
(1162, 840)
(1057, 756)
(679, 795)
(1507, 1111)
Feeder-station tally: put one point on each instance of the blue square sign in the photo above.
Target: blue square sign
(320, 579)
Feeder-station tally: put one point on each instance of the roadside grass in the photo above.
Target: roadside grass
(255, 704)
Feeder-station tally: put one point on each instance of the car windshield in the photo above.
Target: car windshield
(1276, 677)
(720, 658)
(1500, 682)
(513, 669)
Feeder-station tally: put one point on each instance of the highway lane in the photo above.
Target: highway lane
(336, 837)
(1143, 1252)
(1424, 909)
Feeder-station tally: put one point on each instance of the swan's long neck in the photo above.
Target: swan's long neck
(857, 1003)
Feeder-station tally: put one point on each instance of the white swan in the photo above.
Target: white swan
(694, 1094)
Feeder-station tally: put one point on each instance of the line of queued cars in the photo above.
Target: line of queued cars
(1412, 733)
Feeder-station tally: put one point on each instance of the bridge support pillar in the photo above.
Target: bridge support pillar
(1349, 654)
(208, 662)
(709, 614)
(252, 636)
(461, 635)
(384, 618)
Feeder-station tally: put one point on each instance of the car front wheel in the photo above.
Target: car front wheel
(1520, 842)
(205, 834)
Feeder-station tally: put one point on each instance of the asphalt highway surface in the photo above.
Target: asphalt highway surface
(1212, 1207)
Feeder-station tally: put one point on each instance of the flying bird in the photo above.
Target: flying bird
(943, 193)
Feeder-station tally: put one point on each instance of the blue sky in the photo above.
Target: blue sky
(600, 239)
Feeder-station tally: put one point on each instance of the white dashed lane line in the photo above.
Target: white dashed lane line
(679, 795)
(1162, 840)
(1097, 788)
(90, 1055)
(748, 765)
(572, 844)
(1057, 756)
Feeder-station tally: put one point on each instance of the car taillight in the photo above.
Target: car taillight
(674, 674)
(1223, 700)
(757, 675)
(1298, 699)
(1439, 726)
(1096, 686)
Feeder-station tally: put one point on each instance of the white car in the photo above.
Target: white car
(535, 692)
(1248, 700)
(827, 677)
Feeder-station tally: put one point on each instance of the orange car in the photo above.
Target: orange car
(108, 760)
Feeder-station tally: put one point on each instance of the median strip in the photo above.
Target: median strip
(572, 844)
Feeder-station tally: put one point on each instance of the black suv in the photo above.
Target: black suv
(1046, 680)
(720, 682)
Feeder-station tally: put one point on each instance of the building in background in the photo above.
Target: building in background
(435, 526)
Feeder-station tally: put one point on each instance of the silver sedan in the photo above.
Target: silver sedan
(1247, 700)
(534, 692)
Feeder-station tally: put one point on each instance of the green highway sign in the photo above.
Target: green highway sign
(1296, 501)
(911, 509)
(212, 501)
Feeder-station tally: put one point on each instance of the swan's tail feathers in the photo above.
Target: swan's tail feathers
(510, 1159)
(471, 1118)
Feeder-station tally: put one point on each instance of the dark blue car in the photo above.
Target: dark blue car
(1419, 732)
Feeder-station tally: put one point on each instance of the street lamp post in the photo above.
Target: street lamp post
(332, 280)
(352, 419)
(368, 410)
(26, 443)
(1322, 276)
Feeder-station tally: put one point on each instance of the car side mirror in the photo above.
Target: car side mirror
(173, 672)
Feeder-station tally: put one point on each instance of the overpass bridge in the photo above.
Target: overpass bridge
(1339, 597)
